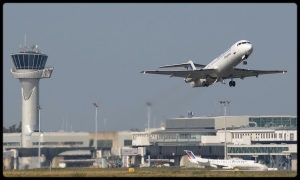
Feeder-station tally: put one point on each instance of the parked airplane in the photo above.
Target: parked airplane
(220, 69)
(234, 164)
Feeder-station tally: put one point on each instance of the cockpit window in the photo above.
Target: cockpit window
(243, 43)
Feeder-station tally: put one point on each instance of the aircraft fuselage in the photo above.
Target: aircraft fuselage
(225, 62)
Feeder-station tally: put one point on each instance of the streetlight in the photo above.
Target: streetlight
(225, 146)
(148, 103)
(39, 108)
(96, 105)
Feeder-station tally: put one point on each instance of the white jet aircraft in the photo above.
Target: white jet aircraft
(220, 69)
(226, 164)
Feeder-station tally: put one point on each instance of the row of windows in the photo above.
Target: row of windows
(11, 144)
(29, 61)
(228, 161)
(180, 136)
(58, 143)
(256, 149)
(263, 135)
(223, 53)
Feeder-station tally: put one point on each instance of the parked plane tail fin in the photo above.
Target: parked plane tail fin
(190, 155)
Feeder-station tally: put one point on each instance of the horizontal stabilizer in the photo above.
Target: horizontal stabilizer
(182, 65)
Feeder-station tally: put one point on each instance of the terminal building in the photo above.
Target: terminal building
(273, 144)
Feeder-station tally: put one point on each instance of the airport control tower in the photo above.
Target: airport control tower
(29, 69)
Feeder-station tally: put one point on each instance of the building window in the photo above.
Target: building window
(11, 144)
(292, 136)
(127, 142)
(280, 135)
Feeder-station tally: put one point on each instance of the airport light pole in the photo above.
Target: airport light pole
(225, 146)
(148, 103)
(96, 146)
(39, 153)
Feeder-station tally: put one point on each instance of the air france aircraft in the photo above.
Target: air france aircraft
(226, 164)
(220, 69)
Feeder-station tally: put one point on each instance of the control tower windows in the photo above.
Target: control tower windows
(29, 61)
(21, 60)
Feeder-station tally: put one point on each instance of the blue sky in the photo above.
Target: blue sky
(99, 49)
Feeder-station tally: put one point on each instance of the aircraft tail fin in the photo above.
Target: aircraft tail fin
(190, 155)
(191, 65)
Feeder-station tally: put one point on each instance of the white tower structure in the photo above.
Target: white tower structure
(29, 69)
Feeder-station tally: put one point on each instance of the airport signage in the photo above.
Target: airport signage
(129, 152)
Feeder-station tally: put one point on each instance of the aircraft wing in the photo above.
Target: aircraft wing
(182, 65)
(190, 74)
(242, 73)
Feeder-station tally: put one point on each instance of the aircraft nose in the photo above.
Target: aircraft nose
(249, 49)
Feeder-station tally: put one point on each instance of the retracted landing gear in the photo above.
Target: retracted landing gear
(231, 83)
(205, 84)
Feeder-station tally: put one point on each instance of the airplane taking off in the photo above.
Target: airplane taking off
(220, 69)
(226, 164)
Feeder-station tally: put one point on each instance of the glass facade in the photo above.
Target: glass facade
(274, 121)
(256, 149)
(29, 60)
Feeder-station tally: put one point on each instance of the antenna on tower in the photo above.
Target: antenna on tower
(25, 44)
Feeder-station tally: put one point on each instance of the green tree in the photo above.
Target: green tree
(19, 129)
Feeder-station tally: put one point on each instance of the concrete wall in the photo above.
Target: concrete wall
(105, 136)
(190, 123)
(123, 135)
(210, 139)
(236, 121)
(140, 141)
(245, 140)
(220, 134)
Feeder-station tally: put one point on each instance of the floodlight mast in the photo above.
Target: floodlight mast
(39, 153)
(96, 146)
(148, 103)
(225, 143)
